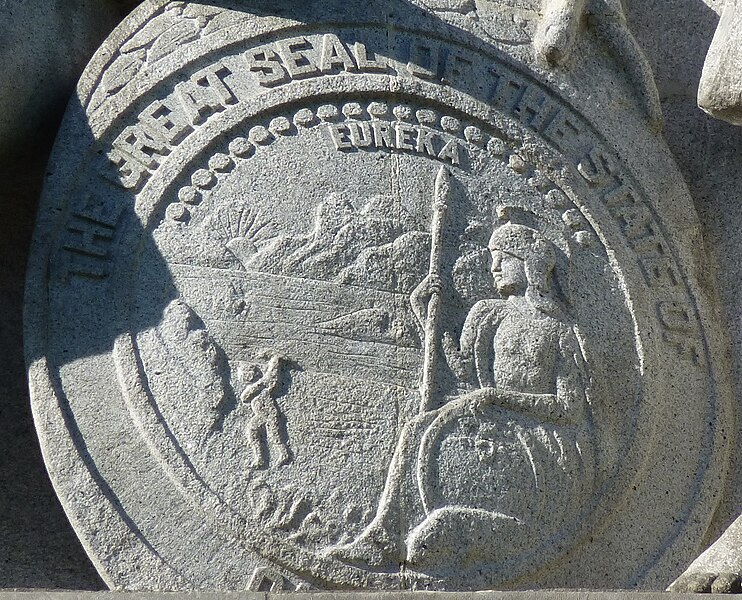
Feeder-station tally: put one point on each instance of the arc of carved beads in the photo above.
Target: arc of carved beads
(259, 136)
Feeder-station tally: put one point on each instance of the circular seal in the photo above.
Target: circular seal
(342, 298)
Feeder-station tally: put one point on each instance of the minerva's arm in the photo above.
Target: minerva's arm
(565, 407)
(463, 358)
(572, 378)
(470, 330)
(542, 407)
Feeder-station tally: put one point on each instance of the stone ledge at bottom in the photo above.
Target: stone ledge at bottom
(351, 595)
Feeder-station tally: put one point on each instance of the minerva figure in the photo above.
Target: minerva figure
(497, 470)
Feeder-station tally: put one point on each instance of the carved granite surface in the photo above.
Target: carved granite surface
(719, 568)
(44, 47)
(381, 296)
(720, 90)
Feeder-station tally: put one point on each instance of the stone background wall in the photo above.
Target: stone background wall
(45, 46)
(675, 35)
(38, 548)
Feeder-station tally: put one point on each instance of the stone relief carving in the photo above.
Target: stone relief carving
(263, 431)
(719, 568)
(269, 579)
(381, 306)
(558, 28)
(177, 24)
(559, 23)
(720, 89)
(520, 436)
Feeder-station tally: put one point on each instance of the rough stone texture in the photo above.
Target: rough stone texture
(719, 568)
(335, 229)
(36, 542)
(488, 595)
(38, 547)
(720, 90)
(43, 49)
(44, 46)
(709, 153)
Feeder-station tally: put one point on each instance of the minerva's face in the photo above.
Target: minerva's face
(508, 273)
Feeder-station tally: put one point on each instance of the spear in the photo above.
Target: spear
(440, 205)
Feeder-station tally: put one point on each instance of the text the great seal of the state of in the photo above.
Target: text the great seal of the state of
(353, 297)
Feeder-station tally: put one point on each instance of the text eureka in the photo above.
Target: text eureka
(141, 147)
(162, 125)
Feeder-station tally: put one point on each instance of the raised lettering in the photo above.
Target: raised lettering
(635, 221)
(266, 64)
(687, 347)
(534, 109)
(494, 89)
(297, 62)
(369, 65)
(166, 123)
(595, 167)
(423, 60)
(138, 142)
(339, 134)
(456, 67)
(405, 136)
(675, 316)
(360, 134)
(425, 138)
(129, 172)
(508, 94)
(619, 196)
(681, 329)
(561, 130)
(334, 55)
(650, 246)
(90, 234)
(205, 94)
(450, 152)
(382, 134)
(660, 271)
